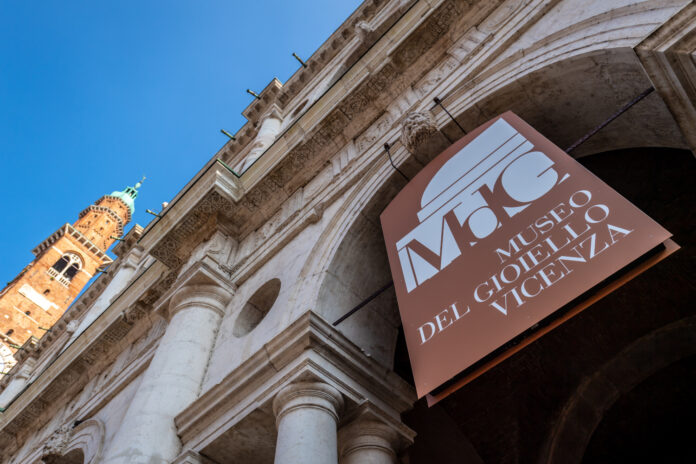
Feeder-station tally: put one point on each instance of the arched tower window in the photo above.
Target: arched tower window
(66, 268)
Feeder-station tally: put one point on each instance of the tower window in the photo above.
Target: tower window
(47, 291)
(28, 313)
(65, 268)
(10, 332)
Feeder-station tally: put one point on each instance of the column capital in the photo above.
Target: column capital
(369, 430)
(209, 296)
(368, 434)
(316, 395)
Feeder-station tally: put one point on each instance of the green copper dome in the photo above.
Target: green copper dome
(129, 195)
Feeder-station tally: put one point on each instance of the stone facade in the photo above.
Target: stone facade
(211, 338)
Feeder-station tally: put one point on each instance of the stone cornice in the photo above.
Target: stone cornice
(193, 215)
(68, 229)
(342, 113)
(108, 211)
(301, 352)
(284, 94)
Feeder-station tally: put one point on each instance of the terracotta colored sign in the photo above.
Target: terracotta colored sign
(493, 236)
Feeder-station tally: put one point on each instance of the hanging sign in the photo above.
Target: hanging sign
(493, 237)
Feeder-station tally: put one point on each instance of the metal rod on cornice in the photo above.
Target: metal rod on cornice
(363, 303)
(226, 166)
(606, 122)
(304, 65)
(120, 239)
(149, 211)
(254, 94)
(228, 134)
(386, 148)
(438, 102)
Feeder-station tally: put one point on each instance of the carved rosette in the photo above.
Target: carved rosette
(416, 129)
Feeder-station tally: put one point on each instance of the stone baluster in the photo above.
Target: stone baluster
(173, 379)
(17, 382)
(307, 416)
(269, 130)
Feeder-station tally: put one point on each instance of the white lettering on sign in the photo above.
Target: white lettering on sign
(494, 177)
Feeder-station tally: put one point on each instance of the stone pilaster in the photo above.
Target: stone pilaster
(307, 414)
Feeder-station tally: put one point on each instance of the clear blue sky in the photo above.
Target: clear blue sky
(93, 95)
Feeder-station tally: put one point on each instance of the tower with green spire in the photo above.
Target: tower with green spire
(128, 195)
(108, 216)
(64, 264)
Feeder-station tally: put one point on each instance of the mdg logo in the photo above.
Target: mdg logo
(494, 177)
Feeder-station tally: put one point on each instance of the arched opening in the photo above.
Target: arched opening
(73, 457)
(358, 268)
(649, 422)
(65, 268)
(510, 412)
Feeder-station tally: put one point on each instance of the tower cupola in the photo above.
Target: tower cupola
(128, 195)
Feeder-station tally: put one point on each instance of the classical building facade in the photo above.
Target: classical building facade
(213, 337)
(65, 262)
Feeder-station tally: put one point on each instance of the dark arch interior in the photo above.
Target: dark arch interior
(506, 415)
(73, 457)
(652, 422)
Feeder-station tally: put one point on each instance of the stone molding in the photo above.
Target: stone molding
(316, 395)
(204, 281)
(88, 437)
(290, 164)
(309, 350)
(191, 457)
(669, 58)
(57, 442)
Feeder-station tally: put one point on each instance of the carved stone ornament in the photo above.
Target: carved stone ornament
(416, 129)
(57, 442)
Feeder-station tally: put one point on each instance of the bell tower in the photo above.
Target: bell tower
(64, 262)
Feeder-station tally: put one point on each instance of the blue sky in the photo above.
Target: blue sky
(93, 95)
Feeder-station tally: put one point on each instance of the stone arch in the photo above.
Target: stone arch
(567, 98)
(82, 444)
(350, 263)
(563, 86)
(584, 410)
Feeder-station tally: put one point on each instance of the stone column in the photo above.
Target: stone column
(368, 442)
(307, 416)
(172, 380)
